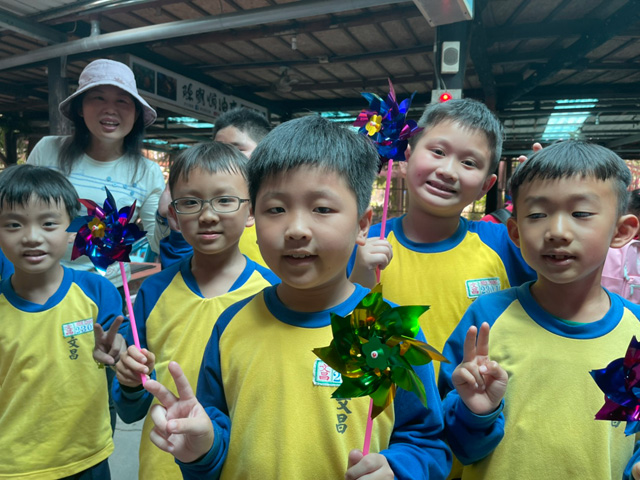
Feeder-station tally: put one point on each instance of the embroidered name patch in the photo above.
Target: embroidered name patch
(77, 328)
(482, 286)
(325, 376)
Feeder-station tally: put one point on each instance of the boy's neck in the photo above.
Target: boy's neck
(316, 299)
(422, 227)
(580, 302)
(215, 274)
(37, 288)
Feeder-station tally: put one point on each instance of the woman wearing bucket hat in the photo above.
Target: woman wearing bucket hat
(109, 117)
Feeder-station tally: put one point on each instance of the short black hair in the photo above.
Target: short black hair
(634, 202)
(246, 120)
(574, 158)
(315, 141)
(20, 183)
(469, 114)
(212, 157)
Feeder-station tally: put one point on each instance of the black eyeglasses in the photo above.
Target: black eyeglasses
(223, 204)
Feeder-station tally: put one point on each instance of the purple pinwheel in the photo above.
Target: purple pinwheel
(385, 122)
(620, 382)
(105, 235)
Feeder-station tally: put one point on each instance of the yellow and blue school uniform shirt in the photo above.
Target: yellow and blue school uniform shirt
(6, 267)
(479, 258)
(175, 322)
(549, 406)
(269, 398)
(54, 412)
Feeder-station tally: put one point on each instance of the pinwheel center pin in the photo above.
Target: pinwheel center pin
(376, 353)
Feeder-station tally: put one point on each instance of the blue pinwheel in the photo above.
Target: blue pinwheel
(620, 382)
(106, 235)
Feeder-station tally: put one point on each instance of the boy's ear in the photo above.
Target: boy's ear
(626, 229)
(251, 220)
(407, 153)
(363, 226)
(514, 233)
(486, 186)
(174, 217)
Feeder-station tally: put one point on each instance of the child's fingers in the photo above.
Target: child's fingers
(636, 471)
(354, 457)
(482, 344)
(160, 441)
(97, 330)
(136, 354)
(185, 392)
(471, 376)
(495, 371)
(469, 348)
(113, 329)
(162, 393)
(188, 426)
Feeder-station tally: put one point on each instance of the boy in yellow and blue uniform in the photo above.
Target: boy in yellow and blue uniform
(243, 128)
(177, 308)
(264, 401)
(440, 258)
(54, 414)
(570, 204)
(6, 269)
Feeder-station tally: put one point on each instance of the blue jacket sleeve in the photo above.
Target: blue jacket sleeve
(417, 449)
(471, 437)
(463, 428)
(635, 458)
(210, 394)
(173, 248)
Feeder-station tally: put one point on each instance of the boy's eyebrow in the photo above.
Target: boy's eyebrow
(319, 193)
(591, 197)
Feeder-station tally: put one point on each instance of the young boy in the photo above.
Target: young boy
(266, 411)
(177, 308)
(54, 414)
(569, 202)
(244, 129)
(440, 258)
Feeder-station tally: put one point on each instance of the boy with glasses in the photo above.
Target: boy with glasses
(177, 308)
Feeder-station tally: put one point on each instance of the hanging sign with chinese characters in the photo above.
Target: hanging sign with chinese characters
(182, 95)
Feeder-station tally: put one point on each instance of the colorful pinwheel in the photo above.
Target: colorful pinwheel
(374, 348)
(106, 236)
(620, 382)
(386, 123)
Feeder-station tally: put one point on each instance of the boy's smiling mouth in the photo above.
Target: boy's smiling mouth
(440, 187)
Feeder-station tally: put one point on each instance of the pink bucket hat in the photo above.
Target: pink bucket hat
(108, 72)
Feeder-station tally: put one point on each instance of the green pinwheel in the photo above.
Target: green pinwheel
(374, 348)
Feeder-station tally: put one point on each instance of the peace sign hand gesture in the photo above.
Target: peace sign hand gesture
(480, 382)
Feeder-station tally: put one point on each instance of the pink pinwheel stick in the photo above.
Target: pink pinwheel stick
(385, 209)
(132, 319)
(367, 433)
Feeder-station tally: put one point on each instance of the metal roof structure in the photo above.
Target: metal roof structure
(295, 57)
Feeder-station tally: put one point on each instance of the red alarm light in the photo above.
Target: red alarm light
(445, 97)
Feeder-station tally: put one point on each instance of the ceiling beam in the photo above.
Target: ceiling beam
(620, 20)
(624, 141)
(151, 33)
(398, 52)
(297, 27)
(30, 29)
